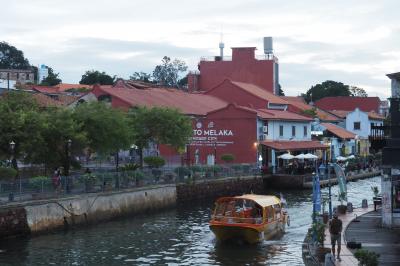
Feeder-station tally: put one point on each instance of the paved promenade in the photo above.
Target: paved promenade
(347, 256)
(373, 237)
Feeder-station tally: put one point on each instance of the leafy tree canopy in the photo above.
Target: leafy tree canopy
(107, 129)
(332, 88)
(93, 76)
(52, 79)
(11, 57)
(167, 73)
(141, 76)
(160, 125)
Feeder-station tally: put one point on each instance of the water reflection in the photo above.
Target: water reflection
(174, 237)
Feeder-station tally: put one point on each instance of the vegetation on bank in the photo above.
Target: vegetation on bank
(53, 137)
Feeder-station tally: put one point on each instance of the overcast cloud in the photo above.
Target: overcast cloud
(355, 42)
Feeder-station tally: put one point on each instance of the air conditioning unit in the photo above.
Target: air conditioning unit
(265, 129)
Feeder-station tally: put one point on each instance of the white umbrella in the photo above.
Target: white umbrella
(351, 157)
(310, 156)
(300, 156)
(286, 156)
(341, 158)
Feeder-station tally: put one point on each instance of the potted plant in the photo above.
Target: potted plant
(342, 208)
(376, 199)
(39, 184)
(89, 181)
(139, 178)
(155, 162)
(319, 230)
(366, 258)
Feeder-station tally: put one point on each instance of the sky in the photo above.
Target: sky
(354, 42)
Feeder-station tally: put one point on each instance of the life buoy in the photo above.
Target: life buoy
(288, 220)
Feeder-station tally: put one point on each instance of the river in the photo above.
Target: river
(175, 237)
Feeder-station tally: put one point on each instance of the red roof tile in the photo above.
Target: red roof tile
(298, 102)
(45, 101)
(45, 89)
(375, 116)
(349, 103)
(338, 131)
(340, 113)
(293, 145)
(260, 92)
(188, 103)
(281, 115)
(66, 86)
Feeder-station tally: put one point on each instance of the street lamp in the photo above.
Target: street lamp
(14, 165)
(322, 169)
(68, 161)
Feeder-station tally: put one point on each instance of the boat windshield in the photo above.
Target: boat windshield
(238, 211)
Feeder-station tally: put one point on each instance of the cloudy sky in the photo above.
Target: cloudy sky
(355, 42)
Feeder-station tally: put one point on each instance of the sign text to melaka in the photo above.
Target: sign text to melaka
(212, 132)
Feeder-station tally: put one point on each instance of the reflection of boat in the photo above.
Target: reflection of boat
(250, 218)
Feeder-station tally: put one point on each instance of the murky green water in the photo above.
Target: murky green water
(176, 237)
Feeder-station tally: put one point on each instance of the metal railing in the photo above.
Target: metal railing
(104, 180)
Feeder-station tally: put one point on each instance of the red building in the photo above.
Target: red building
(349, 103)
(243, 66)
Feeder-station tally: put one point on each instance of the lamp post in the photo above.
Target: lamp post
(14, 165)
(322, 169)
(67, 165)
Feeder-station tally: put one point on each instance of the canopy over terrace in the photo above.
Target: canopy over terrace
(272, 149)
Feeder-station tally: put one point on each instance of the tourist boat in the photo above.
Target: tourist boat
(249, 218)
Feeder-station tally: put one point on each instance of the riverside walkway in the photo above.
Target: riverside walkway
(346, 254)
(373, 237)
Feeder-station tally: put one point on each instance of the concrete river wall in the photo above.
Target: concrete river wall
(41, 216)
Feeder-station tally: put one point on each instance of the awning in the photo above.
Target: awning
(293, 145)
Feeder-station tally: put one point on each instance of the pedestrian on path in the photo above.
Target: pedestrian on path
(335, 229)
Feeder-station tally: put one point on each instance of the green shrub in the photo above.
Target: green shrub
(40, 182)
(139, 175)
(227, 157)
(154, 161)
(87, 178)
(182, 171)
(320, 232)
(196, 168)
(366, 258)
(130, 167)
(7, 173)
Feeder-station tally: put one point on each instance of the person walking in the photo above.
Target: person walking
(335, 229)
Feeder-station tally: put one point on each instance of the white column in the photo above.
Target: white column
(273, 161)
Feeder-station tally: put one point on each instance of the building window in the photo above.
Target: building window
(281, 131)
(357, 126)
(305, 131)
(293, 131)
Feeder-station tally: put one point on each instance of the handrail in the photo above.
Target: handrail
(236, 219)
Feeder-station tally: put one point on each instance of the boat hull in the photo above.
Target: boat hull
(248, 234)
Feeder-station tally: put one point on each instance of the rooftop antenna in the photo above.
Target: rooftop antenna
(221, 46)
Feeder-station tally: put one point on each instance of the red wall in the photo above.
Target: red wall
(232, 94)
(244, 67)
(240, 128)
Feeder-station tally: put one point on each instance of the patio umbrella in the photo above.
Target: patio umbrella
(310, 156)
(341, 158)
(300, 156)
(286, 156)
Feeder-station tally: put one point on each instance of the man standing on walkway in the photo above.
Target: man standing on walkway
(335, 229)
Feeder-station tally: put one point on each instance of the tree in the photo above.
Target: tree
(12, 58)
(159, 125)
(52, 79)
(310, 112)
(61, 127)
(92, 77)
(107, 129)
(167, 74)
(21, 122)
(326, 89)
(141, 76)
(357, 92)
(280, 91)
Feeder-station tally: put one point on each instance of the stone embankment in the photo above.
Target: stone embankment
(41, 216)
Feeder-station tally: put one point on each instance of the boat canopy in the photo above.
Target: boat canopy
(262, 200)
